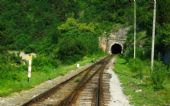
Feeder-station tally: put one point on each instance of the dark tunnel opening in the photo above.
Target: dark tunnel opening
(116, 49)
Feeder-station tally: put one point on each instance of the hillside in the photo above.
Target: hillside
(62, 32)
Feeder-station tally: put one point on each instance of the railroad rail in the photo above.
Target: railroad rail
(83, 89)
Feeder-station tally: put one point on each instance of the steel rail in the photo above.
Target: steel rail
(71, 99)
(50, 92)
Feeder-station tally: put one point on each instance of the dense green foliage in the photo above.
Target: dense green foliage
(59, 32)
(41, 26)
(65, 31)
(14, 77)
(44, 26)
(144, 29)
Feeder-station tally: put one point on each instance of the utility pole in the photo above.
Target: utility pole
(153, 36)
(134, 29)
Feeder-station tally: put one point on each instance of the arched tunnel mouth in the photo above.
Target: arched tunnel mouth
(116, 49)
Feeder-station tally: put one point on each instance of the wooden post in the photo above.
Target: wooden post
(153, 36)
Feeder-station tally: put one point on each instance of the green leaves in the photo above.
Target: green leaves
(72, 23)
(159, 75)
(165, 34)
(70, 50)
(163, 12)
(77, 40)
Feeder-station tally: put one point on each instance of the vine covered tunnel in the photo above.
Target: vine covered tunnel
(116, 49)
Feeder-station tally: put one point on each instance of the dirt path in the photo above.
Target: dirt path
(116, 93)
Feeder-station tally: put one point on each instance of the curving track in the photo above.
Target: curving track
(89, 88)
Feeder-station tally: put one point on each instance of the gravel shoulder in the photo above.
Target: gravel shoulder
(118, 98)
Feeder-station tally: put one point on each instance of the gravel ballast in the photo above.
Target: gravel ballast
(116, 93)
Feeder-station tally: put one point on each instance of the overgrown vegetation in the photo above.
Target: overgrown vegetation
(144, 31)
(58, 32)
(14, 77)
(154, 84)
(62, 32)
(152, 89)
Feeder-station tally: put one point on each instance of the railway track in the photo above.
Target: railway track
(88, 88)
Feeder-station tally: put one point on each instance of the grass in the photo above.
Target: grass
(16, 80)
(140, 91)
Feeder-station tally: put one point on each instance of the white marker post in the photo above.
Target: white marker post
(29, 67)
(78, 65)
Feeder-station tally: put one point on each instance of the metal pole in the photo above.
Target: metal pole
(153, 36)
(134, 29)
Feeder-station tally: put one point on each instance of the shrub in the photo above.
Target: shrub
(159, 75)
(11, 72)
(15, 59)
(71, 50)
(136, 67)
(121, 61)
(42, 61)
(168, 69)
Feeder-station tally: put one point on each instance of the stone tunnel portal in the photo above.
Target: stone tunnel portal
(116, 49)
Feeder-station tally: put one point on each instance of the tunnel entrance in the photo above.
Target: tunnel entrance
(116, 49)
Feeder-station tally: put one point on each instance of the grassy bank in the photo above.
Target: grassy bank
(15, 79)
(142, 87)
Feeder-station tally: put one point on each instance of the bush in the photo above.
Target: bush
(121, 61)
(42, 61)
(136, 67)
(159, 75)
(168, 69)
(11, 72)
(71, 50)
